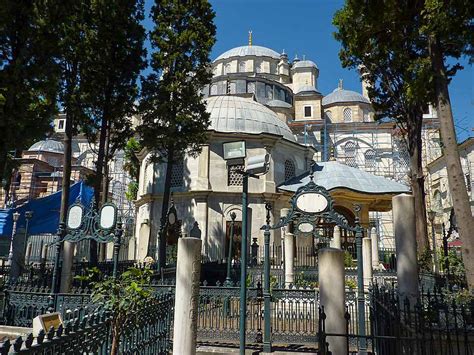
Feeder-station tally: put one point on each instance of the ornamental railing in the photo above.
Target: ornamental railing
(90, 333)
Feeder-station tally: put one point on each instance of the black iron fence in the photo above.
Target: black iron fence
(90, 332)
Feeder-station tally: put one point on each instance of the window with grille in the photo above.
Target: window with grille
(370, 160)
(242, 67)
(233, 177)
(290, 170)
(308, 111)
(251, 87)
(347, 113)
(258, 67)
(350, 154)
(366, 116)
(437, 201)
(177, 174)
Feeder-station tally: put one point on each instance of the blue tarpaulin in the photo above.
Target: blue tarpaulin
(45, 211)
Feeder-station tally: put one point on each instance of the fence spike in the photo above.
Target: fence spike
(50, 334)
(40, 337)
(5, 347)
(17, 344)
(29, 340)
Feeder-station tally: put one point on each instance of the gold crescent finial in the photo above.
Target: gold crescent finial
(250, 38)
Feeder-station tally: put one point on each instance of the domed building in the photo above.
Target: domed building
(39, 172)
(263, 103)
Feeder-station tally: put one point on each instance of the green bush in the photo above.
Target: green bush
(348, 261)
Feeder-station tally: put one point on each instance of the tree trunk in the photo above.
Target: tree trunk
(164, 210)
(457, 184)
(417, 182)
(105, 186)
(115, 339)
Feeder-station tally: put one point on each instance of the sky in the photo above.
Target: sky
(304, 28)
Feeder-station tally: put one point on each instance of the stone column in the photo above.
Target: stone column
(331, 295)
(29, 248)
(188, 272)
(367, 262)
(336, 238)
(283, 213)
(289, 259)
(405, 244)
(375, 248)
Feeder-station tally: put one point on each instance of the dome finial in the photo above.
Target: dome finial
(250, 38)
(340, 84)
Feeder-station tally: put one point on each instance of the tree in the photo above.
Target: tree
(116, 56)
(173, 113)
(132, 167)
(27, 81)
(125, 297)
(417, 38)
(449, 27)
(382, 40)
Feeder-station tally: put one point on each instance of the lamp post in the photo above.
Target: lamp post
(431, 217)
(28, 216)
(255, 165)
(228, 281)
(360, 283)
(267, 339)
(16, 217)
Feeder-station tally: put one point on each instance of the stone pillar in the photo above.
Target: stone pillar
(331, 295)
(405, 244)
(283, 213)
(336, 238)
(289, 259)
(29, 248)
(367, 262)
(188, 272)
(375, 248)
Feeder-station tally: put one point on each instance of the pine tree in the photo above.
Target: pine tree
(27, 81)
(174, 117)
(115, 58)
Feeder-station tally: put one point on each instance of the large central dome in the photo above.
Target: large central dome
(249, 51)
(236, 114)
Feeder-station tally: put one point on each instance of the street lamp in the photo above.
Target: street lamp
(255, 165)
(16, 217)
(431, 217)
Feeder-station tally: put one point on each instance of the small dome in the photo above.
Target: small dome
(47, 145)
(341, 95)
(304, 64)
(234, 114)
(306, 89)
(278, 103)
(248, 51)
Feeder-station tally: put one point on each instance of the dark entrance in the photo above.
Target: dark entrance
(236, 240)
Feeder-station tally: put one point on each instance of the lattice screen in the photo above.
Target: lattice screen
(290, 170)
(233, 177)
(177, 174)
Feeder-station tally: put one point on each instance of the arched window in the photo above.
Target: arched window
(366, 116)
(437, 201)
(251, 87)
(269, 92)
(177, 173)
(273, 68)
(347, 113)
(214, 89)
(227, 69)
(258, 66)
(242, 67)
(369, 160)
(290, 170)
(350, 154)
